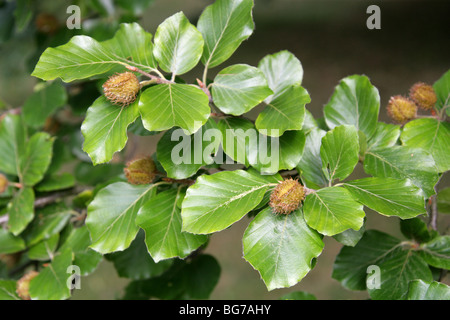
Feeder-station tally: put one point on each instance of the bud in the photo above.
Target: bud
(287, 196)
(140, 171)
(3, 183)
(122, 88)
(423, 95)
(401, 109)
(23, 285)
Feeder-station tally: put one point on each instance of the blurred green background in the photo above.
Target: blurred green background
(332, 41)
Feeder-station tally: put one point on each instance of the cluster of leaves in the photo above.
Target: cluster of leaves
(155, 233)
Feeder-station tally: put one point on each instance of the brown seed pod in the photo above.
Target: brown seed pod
(140, 171)
(401, 109)
(287, 196)
(423, 95)
(122, 88)
(23, 285)
(3, 183)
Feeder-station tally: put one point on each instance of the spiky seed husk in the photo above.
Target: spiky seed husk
(423, 95)
(3, 183)
(140, 171)
(287, 196)
(401, 109)
(122, 88)
(23, 285)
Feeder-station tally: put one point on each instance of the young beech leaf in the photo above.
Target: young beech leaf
(83, 57)
(281, 247)
(239, 88)
(421, 290)
(282, 70)
(397, 263)
(285, 112)
(178, 45)
(355, 101)
(339, 152)
(390, 197)
(160, 217)
(105, 129)
(333, 210)
(174, 105)
(224, 25)
(111, 215)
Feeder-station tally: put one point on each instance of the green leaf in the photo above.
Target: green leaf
(78, 241)
(12, 143)
(215, 202)
(285, 112)
(310, 165)
(160, 217)
(21, 210)
(298, 295)
(83, 57)
(339, 152)
(398, 265)
(105, 129)
(442, 89)
(143, 266)
(238, 134)
(56, 182)
(37, 158)
(86, 173)
(401, 162)
(23, 14)
(386, 135)
(282, 70)
(8, 290)
(196, 150)
(224, 25)
(333, 210)
(437, 252)
(51, 284)
(356, 102)
(443, 201)
(178, 45)
(43, 103)
(10, 243)
(112, 214)
(174, 105)
(239, 88)
(202, 276)
(49, 221)
(432, 136)
(390, 197)
(281, 247)
(421, 290)
(290, 148)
